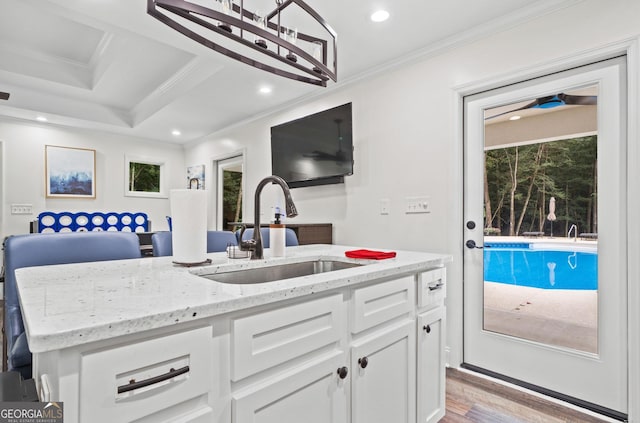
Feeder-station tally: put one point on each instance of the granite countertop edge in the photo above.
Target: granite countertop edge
(70, 305)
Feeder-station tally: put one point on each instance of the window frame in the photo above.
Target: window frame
(145, 160)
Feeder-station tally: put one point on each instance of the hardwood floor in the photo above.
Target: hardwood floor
(472, 398)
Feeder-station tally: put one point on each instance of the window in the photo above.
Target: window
(144, 177)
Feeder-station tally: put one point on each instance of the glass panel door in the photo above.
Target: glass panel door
(540, 229)
(545, 235)
(230, 193)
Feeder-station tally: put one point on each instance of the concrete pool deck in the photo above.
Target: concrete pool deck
(565, 318)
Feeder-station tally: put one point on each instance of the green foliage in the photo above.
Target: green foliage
(144, 177)
(565, 170)
(232, 197)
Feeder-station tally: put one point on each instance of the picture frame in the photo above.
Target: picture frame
(145, 177)
(70, 172)
(195, 177)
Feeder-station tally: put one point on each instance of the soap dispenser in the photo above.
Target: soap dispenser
(277, 236)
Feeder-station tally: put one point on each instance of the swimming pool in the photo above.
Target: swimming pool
(546, 266)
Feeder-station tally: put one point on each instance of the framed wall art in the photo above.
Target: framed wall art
(195, 177)
(70, 172)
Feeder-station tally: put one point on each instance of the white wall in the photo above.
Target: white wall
(406, 135)
(404, 123)
(23, 170)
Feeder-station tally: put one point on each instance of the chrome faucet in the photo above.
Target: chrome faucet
(573, 228)
(255, 244)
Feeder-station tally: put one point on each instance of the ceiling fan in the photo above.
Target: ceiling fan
(551, 101)
(4, 96)
(339, 156)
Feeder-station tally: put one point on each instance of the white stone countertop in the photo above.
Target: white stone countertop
(73, 304)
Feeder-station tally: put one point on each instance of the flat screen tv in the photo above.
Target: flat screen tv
(314, 150)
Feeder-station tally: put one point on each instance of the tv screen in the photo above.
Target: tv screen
(314, 150)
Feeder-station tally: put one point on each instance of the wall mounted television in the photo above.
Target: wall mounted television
(315, 149)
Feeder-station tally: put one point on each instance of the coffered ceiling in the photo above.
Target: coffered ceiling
(108, 65)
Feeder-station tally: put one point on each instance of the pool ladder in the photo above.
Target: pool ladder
(573, 228)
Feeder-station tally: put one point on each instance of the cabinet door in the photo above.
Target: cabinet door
(383, 376)
(310, 393)
(431, 365)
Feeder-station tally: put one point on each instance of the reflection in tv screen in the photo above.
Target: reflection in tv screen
(313, 150)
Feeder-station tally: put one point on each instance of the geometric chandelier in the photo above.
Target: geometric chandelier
(266, 43)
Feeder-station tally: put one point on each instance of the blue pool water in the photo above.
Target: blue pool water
(540, 267)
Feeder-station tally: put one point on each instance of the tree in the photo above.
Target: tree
(532, 182)
(144, 177)
(530, 174)
(232, 197)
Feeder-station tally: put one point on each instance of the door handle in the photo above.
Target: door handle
(472, 244)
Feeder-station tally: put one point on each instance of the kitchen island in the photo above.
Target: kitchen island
(146, 340)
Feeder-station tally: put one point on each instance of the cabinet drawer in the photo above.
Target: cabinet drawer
(432, 287)
(170, 374)
(273, 337)
(376, 304)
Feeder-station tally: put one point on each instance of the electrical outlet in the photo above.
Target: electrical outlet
(385, 206)
(21, 209)
(417, 205)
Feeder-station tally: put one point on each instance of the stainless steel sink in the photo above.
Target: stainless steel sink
(278, 272)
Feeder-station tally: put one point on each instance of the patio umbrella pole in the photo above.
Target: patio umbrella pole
(552, 213)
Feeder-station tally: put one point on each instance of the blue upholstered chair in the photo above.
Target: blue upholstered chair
(161, 244)
(45, 249)
(290, 237)
(216, 241)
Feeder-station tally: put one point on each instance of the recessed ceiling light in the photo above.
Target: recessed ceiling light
(516, 117)
(41, 119)
(265, 90)
(176, 133)
(380, 16)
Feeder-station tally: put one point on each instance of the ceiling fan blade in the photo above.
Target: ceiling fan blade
(551, 101)
(4, 96)
(526, 106)
(581, 100)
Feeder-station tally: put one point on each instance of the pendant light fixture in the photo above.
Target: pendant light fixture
(265, 41)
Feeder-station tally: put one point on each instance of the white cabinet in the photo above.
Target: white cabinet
(269, 338)
(432, 288)
(156, 380)
(378, 303)
(383, 377)
(431, 365)
(285, 361)
(289, 360)
(383, 352)
(311, 392)
(164, 377)
(364, 354)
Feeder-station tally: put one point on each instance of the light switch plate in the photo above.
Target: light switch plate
(385, 206)
(417, 205)
(22, 209)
